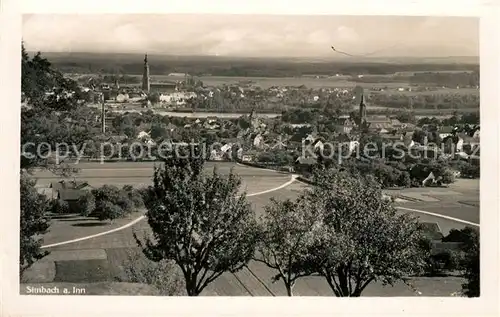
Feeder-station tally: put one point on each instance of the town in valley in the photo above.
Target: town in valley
(166, 173)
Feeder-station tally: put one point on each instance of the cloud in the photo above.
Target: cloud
(346, 34)
(242, 34)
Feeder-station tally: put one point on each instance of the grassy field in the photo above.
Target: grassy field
(264, 82)
(315, 83)
(439, 91)
(199, 114)
(435, 71)
(438, 113)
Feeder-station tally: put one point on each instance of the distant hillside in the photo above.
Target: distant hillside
(80, 62)
(133, 57)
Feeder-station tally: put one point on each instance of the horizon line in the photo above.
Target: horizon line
(254, 56)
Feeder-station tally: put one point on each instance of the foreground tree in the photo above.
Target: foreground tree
(363, 238)
(471, 263)
(34, 222)
(53, 114)
(286, 233)
(200, 222)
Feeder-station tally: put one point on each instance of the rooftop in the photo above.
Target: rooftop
(70, 194)
(64, 185)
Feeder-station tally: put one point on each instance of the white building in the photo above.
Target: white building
(177, 98)
(258, 141)
(143, 135)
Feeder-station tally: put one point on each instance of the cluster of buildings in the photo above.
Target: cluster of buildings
(258, 135)
(167, 92)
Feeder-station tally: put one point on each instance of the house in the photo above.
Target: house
(258, 141)
(303, 164)
(215, 155)
(246, 158)
(71, 196)
(170, 127)
(211, 119)
(54, 187)
(226, 148)
(47, 192)
(167, 87)
(280, 143)
(396, 123)
(136, 97)
(117, 138)
(213, 126)
(176, 98)
(408, 140)
(432, 231)
(353, 146)
(121, 97)
(150, 142)
(344, 126)
(178, 75)
(445, 131)
(72, 184)
(310, 138)
(465, 143)
(318, 145)
(475, 135)
(143, 135)
(298, 125)
(377, 123)
(239, 153)
(392, 137)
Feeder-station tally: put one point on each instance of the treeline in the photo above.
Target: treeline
(435, 101)
(428, 78)
(110, 79)
(451, 80)
(328, 118)
(163, 65)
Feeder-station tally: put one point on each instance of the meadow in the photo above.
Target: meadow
(267, 82)
(316, 83)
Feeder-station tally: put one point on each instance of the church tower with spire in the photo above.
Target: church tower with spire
(362, 109)
(145, 75)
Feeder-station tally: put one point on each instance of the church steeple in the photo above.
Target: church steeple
(145, 75)
(362, 109)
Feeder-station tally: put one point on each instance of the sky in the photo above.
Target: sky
(253, 35)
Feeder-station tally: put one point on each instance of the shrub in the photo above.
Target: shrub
(124, 202)
(146, 197)
(163, 275)
(110, 211)
(448, 177)
(60, 206)
(449, 259)
(404, 179)
(470, 170)
(107, 196)
(134, 195)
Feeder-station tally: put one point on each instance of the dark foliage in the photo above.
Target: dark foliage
(34, 222)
